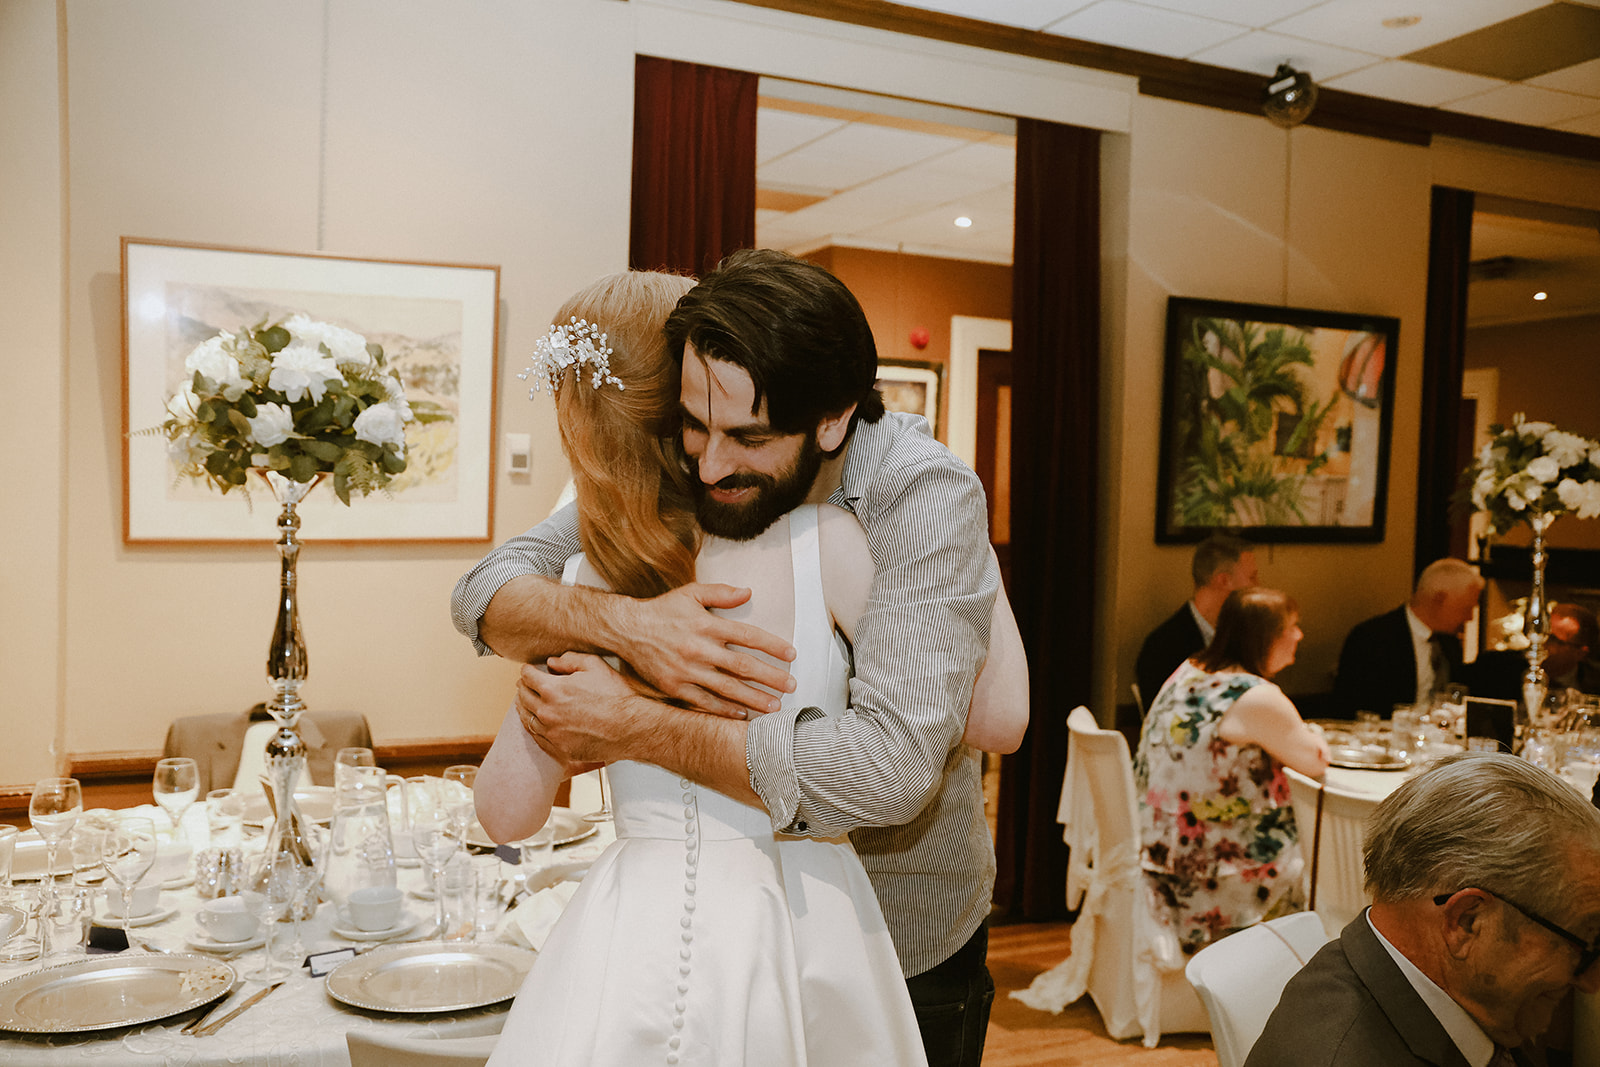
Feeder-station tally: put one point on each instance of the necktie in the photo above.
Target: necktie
(1502, 1057)
(1441, 665)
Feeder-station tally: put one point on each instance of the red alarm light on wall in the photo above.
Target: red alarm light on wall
(919, 337)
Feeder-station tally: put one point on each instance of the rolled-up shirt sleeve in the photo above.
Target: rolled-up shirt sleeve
(918, 649)
(543, 550)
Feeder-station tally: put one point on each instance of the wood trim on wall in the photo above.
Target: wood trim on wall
(1197, 83)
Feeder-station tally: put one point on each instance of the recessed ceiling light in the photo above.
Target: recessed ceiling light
(1401, 22)
(1540, 296)
(963, 221)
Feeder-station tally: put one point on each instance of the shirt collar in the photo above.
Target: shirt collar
(1476, 1047)
(1207, 631)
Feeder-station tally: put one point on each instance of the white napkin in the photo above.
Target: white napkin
(529, 923)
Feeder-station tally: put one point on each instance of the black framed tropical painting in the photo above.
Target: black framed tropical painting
(1275, 422)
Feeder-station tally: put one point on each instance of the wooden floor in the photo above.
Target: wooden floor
(1019, 1036)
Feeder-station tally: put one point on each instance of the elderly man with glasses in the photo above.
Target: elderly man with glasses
(1485, 877)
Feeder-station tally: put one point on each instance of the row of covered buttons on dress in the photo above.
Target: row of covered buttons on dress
(691, 864)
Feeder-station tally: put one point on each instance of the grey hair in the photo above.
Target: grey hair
(1483, 819)
(1449, 576)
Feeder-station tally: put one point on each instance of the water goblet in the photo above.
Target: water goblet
(459, 781)
(177, 787)
(128, 851)
(53, 809)
(433, 837)
(274, 902)
(603, 812)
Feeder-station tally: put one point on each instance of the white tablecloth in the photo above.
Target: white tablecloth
(298, 1024)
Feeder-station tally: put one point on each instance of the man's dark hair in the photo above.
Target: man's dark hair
(1216, 553)
(793, 327)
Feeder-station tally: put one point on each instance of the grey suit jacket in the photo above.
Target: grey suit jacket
(214, 742)
(1352, 1007)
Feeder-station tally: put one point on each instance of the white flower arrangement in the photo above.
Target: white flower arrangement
(300, 397)
(1533, 471)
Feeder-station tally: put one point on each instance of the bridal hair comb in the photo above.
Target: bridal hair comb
(574, 344)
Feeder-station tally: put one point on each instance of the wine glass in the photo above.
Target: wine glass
(435, 840)
(277, 897)
(459, 781)
(128, 851)
(54, 808)
(177, 787)
(603, 812)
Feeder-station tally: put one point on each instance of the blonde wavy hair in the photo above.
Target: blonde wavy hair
(635, 513)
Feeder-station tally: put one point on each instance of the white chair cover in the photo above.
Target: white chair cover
(1240, 978)
(1122, 955)
(1339, 892)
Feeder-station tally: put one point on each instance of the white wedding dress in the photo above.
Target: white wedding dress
(700, 938)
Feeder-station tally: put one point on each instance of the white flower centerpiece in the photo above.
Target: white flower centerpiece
(1533, 473)
(292, 401)
(300, 399)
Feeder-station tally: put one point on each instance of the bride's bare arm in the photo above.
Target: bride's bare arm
(998, 716)
(516, 785)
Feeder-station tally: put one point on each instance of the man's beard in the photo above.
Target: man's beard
(774, 496)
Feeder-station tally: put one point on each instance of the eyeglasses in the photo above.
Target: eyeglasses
(1588, 951)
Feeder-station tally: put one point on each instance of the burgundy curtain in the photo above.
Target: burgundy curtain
(694, 165)
(1443, 358)
(1055, 433)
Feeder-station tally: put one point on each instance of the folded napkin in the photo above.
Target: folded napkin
(529, 923)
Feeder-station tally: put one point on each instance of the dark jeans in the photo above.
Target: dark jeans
(952, 1004)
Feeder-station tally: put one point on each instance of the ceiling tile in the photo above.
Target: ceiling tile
(992, 163)
(1254, 13)
(855, 154)
(1358, 24)
(1412, 83)
(1524, 103)
(1583, 78)
(1261, 51)
(1147, 29)
(1029, 14)
(1589, 125)
(1548, 38)
(778, 132)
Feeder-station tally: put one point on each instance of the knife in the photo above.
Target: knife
(254, 998)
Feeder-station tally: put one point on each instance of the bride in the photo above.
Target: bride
(700, 936)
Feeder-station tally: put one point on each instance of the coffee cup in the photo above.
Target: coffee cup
(375, 907)
(146, 896)
(227, 919)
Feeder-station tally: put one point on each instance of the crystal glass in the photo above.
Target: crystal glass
(177, 787)
(8, 846)
(225, 818)
(355, 756)
(19, 908)
(128, 853)
(86, 845)
(435, 841)
(279, 888)
(64, 921)
(459, 781)
(458, 900)
(603, 812)
(53, 810)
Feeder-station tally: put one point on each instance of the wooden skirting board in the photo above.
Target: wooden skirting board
(122, 779)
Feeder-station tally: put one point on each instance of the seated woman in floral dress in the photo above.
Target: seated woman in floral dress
(1219, 846)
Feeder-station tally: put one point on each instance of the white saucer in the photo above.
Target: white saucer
(208, 944)
(425, 893)
(149, 918)
(408, 923)
(181, 882)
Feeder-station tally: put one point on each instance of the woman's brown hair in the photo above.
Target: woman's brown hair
(1249, 621)
(635, 513)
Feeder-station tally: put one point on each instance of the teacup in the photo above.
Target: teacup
(227, 919)
(146, 896)
(375, 907)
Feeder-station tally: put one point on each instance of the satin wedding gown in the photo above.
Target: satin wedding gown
(700, 938)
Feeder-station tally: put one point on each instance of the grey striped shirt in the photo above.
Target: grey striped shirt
(891, 771)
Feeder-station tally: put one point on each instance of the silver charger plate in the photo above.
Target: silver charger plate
(568, 825)
(430, 976)
(1367, 759)
(103, 992)
(315, 803)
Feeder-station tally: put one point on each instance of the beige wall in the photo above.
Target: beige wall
(498, 132)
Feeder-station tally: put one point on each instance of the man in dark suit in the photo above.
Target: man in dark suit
(1401, 656)
(1573, 637)
(1221, 564)
(1480, 869)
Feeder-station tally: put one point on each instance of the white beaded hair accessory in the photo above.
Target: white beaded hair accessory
(574, 344)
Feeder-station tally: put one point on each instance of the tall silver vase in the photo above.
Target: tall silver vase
(291, 833)
(1536, 625)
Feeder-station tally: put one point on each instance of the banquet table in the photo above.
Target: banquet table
(297, 1024)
